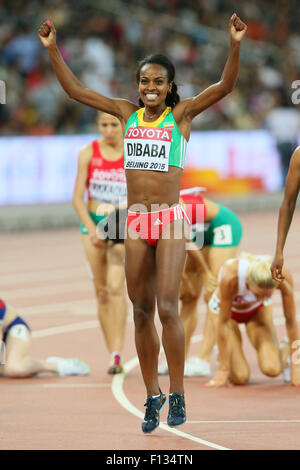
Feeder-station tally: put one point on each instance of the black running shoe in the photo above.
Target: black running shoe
(176, 415)
(153, 409)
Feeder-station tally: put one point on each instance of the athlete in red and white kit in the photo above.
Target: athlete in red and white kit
(244, 295)
(101, 172)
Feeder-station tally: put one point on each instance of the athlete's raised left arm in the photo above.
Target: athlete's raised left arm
(289, 309)
(212, 94)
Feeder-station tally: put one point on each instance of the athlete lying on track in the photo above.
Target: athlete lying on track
(17, 339)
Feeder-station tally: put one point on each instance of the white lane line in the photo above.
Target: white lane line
(273, 421)
(76, 385)
(118, 392)
(40, 291)
(65, 329)
(77, 307)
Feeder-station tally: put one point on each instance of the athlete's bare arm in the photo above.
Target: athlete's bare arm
(191, 107)
(286, 213)
(289, 308)
(227, 290)
(209, 280)
(78, 195)
(122, 109)
(286, 288)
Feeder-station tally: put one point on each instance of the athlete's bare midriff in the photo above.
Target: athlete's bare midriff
(100, 207)
(153, 187)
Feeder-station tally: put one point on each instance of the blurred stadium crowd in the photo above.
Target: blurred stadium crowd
(103, 41)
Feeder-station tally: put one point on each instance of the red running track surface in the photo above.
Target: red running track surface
(43, 274)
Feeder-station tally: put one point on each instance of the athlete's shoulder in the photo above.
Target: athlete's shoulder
(229, 275)
(295, 159)
(85, 153)
(132, 120)
(179, 110)
(126, 108)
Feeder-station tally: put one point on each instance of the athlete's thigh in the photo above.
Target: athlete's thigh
(262, 334)
(116, 268)
(191, 283)
(261, 330)
(116, 254)
(239, 365)
(97, 260)
(170, 260)
(216, 257)
(140, 270)
(17, 346)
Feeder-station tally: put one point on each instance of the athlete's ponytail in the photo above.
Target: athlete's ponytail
(172, 97)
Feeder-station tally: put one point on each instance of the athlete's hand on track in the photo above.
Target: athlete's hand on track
(237, 28)
(276, 268)
(220, 380)
(47, 34)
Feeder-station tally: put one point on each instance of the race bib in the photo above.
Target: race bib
(147, 148)
(223, 235)
(107, 191)
(214, 304)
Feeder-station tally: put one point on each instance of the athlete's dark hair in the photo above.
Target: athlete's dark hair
(172, 97)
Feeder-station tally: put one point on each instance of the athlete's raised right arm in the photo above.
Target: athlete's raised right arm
(286, 213)
(122, 109)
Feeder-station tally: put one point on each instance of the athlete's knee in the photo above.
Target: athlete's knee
(102, 294)
(188, 297)
(240, 377)
(115, 288)
(142, 314)
(14, 369)
(271, 368)
(167, 310)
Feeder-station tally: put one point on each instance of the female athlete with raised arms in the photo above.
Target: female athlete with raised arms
(156, 135)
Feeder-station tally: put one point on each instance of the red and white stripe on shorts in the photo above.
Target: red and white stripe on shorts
(149, 225)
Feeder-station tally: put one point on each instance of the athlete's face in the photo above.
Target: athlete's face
(110, 128)
(154, 85)
(260, 293)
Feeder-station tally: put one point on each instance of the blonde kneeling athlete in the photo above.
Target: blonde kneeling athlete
(16, 340)
(101, 172)
(244, 296)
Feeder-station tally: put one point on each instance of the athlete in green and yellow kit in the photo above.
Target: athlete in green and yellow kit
(154, 156)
